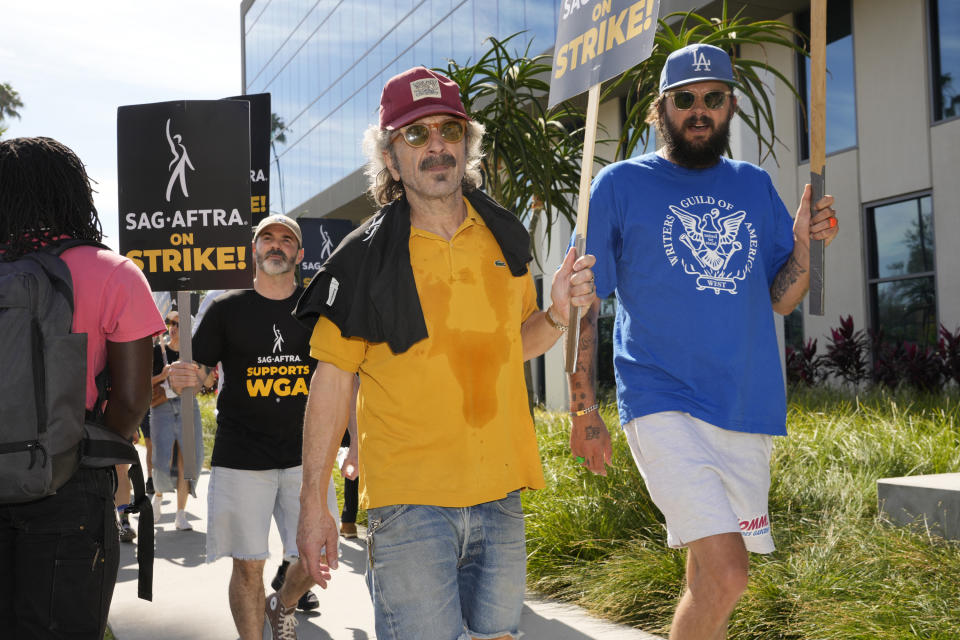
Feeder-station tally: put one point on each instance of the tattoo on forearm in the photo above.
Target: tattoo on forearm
(587, 353)
(592, 433)
(786, 278)
(582, 379)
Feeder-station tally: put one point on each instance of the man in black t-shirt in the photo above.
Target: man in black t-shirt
(256, 469)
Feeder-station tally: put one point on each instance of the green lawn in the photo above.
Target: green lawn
(840, 572)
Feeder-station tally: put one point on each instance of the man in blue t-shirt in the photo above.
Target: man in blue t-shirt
(698, 249)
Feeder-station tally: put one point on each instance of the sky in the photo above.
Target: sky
(74, 63)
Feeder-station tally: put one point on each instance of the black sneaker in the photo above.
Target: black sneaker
(278, 579)
(307, 602)
(149, 487)
(127, 534)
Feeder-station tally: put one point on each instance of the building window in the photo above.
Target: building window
(945, 58)
(842, 111)
(900, 270)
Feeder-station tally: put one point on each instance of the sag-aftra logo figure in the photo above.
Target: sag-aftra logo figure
(181, 160)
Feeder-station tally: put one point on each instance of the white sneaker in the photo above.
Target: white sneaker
(180, 522)
(157, 503)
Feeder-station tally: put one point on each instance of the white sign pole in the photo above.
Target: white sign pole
(583, 213)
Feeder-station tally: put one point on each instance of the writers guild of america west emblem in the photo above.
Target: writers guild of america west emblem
(710, 240)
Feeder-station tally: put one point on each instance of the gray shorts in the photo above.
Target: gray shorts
(706, 480)
(240, 503)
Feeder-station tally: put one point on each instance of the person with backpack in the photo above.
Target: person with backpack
(59, 542)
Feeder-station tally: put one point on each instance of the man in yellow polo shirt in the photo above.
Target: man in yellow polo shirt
(431, 302)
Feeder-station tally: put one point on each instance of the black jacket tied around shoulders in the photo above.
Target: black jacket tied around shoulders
(366, 287)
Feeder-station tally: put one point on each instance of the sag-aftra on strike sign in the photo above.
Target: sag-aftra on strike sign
(184, 193)
(598, 40)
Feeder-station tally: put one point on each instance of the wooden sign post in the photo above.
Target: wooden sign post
(583, 215)
(818, 105)
(594, 43)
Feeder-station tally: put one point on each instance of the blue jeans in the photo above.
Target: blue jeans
(58, 561)
(447, 573)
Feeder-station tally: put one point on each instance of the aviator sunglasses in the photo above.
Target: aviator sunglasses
(417, 135)
(684, 100)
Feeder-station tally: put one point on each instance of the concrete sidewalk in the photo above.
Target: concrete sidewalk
(190, 596)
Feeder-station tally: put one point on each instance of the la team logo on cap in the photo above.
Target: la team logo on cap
(425, 88)
(700, 62)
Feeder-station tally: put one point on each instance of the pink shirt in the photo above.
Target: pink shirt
(112, 301)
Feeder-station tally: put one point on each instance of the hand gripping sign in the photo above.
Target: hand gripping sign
(595, 41)
(184, 199)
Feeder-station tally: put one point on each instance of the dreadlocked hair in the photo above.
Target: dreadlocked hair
(45, 194)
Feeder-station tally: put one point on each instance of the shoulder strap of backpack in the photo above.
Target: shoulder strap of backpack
(57, 249)
(102, 447)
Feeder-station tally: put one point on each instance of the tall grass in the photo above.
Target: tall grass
(208, 405)
(840, 571)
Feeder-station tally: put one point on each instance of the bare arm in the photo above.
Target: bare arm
(327, 414)
(589, 437)
(793, 280)
(130, 365)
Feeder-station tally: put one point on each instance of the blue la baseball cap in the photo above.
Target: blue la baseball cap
(696, 63)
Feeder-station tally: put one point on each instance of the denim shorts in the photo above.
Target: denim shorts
(447, 573)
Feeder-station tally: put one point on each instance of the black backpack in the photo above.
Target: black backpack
(46, 434)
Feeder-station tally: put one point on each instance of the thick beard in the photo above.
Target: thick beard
(697, 155)
(271, 268)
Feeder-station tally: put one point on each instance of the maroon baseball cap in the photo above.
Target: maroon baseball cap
(416, 93)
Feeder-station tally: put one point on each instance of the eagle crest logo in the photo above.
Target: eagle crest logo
(711, 240)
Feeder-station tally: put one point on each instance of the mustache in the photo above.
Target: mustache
(275, 252)
(695, 120)
(442, 160)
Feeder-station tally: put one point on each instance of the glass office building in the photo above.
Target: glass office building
(325, 62)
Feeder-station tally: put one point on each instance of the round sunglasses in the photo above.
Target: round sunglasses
(418, 134)
(684, 100)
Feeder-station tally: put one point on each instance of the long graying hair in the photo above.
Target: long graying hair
(383, 189)
(45, 193)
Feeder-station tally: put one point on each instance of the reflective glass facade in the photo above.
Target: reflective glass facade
(945, 57)
(326, 61)
(841, 130)
(900, 263)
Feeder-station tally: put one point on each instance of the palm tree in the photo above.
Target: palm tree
(532, 161)
(9, 103)
(278, 133)
(730, 33)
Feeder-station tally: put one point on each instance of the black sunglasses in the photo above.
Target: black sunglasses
(171, 323)
(418, 134)
(684, 99)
